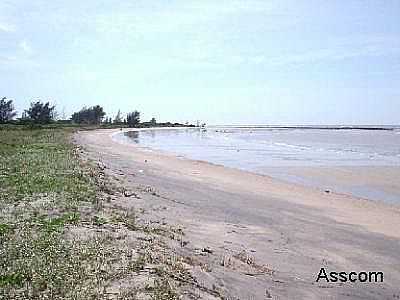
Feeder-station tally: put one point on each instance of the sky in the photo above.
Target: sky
(221, 62)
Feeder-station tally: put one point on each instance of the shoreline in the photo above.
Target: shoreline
(220, 175)
(366, 180)
(317, 127)
(290, 228)
(369, 183)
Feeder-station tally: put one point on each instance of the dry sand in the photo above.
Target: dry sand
(283, 233)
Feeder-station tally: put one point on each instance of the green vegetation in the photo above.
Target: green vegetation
(63, 233)
(60, 233)
(133, 118)
(91, 115)
(118, 118)
(40, 161)
(7, 112)
(40, 113)
(42, 185)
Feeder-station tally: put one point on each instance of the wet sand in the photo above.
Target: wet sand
(289, 229)
(378, 183)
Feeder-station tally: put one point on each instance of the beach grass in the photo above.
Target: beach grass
(47, 194)
(41, 186)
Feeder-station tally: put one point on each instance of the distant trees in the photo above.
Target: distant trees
(133, 118)
(92, 115)
(40, 113)
(108, 121)
(7, 112)
(118, 118)
(43, 113)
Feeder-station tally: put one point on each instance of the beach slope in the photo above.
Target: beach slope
(248, 236)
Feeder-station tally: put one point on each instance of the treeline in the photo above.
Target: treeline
(38, 112)
(91, 116)
(44, 113)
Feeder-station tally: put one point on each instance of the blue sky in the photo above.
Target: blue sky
(253, 62)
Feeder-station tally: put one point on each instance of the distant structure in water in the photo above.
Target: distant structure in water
(202, 125)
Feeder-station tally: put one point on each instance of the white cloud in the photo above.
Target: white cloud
(5, 59)
(7, 27)
(337, 53)
(17, 62)
(20, 57)
(25, 47)
(144, 20)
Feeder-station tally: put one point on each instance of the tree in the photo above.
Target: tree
(133, 118)
(98, 114)
(41, 113)
(91, 115)
(153, 122)
(7, 112)
(118, 118)
(63, 114)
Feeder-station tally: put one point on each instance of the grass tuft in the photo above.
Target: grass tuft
(53, 244)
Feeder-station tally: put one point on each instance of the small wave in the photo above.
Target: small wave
(292, 146)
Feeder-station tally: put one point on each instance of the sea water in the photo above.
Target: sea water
(265, 150)
(254, 148)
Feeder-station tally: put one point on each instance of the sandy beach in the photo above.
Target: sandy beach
(284, 233)
(379, 183)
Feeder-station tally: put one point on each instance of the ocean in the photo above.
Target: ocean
(277, 151)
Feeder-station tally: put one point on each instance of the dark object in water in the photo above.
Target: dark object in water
(207, 250)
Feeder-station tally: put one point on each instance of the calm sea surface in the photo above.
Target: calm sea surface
(253, 149)
(263, 149)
